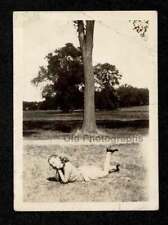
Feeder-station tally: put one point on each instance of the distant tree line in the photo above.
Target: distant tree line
(132, 96)
(107, 99)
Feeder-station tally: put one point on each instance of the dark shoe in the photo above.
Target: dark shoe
(117, 169)
(112, 150)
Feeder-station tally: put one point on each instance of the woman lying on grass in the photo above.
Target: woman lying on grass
(66, 172)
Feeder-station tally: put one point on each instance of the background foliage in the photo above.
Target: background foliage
(62, 82)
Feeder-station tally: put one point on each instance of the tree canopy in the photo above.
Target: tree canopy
(132, 96)
(63, 79)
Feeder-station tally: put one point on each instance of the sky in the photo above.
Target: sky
(38, 33)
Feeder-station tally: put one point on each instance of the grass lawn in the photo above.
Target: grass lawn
(129, 113)
(49, 123)
(127, 185)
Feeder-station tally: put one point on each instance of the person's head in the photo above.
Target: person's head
(57, 162)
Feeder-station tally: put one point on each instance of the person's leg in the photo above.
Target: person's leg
(107, 162)
(94, 172)
(108, 159)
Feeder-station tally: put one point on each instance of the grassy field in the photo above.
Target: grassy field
(127, 185)
(130, 113)
(48, 124)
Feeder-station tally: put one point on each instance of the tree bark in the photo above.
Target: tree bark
(86, 44)
(89, 120)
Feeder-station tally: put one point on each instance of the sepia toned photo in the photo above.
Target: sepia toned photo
(85, 111)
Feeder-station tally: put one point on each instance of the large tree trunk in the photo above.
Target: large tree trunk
(89, 120)
(86, 44)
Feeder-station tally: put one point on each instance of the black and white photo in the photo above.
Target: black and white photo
(85, 111)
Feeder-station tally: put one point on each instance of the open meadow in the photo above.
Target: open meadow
(131, 113)
(127, 185)
(49, 124)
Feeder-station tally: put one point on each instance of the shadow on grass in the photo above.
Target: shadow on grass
(29, 132)
(52, 179)
(69, 126)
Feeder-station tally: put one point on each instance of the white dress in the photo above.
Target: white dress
(91, 172)
(82, 173)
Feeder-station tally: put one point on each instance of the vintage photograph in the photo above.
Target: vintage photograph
(85, 111)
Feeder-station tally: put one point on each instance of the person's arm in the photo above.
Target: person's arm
(65, 177)
(57, 176)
